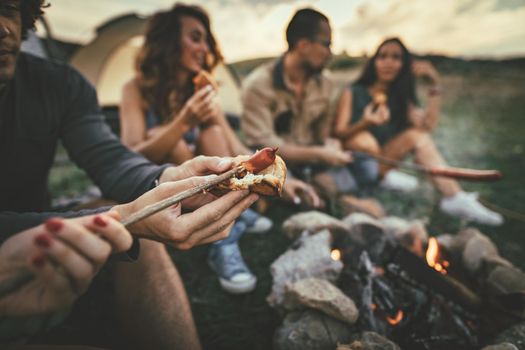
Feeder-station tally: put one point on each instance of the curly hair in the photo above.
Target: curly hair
(158, 61)
(30, 11)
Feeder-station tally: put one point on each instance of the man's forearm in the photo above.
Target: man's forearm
(300, 154)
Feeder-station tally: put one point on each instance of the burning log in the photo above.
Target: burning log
(435, 281)
(366, 271)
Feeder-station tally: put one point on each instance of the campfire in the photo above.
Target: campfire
(390, 281)
(433, 257)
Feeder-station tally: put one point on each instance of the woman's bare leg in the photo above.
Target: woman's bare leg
(152, 306)
(212, 142)
(426, 153)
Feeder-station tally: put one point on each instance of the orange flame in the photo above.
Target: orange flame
(335, 254)
(432, 257)
(395, 320)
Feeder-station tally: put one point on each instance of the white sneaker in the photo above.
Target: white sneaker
(255, 222)
(395, 180)
(234, 276)
(466, 206)
(261, 225)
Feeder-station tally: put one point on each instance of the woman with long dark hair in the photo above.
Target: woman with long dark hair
(380, 114)
(163, 117)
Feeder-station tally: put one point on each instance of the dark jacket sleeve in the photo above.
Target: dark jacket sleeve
(121, 174)
(12, 223)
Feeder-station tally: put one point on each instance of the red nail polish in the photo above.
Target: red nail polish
(38, 261)
(43, 240)
(54, 224)
(100, 221)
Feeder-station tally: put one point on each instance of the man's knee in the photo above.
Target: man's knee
(326, 184)
(365, 170)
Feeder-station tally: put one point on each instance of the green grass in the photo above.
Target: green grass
(482, 126)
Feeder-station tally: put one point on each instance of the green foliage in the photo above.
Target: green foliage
(345, 62)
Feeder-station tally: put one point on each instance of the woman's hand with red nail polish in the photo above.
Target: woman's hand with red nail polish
(64, 255)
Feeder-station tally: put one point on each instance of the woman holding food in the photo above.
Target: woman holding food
(380, 114)
(169, 114)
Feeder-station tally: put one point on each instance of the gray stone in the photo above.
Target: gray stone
(307, 257)
(508, 285)
(356, 219)
(505, 280)
(313, 222)
(514, 335)
(492, 262)
(477, 249)
(502, 346)
(410, 234)
(365, 230)
(370, 341)
(455, 244)
(310, 330)
(323, 296)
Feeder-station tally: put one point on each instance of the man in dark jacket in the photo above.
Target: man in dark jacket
(42, 103)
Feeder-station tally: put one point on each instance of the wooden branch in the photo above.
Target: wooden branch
(451, 172)
(170, 201)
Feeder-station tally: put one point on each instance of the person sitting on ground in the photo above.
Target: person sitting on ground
(287, 103)
(380, 114)
(185, 230)
(42, 103)
(163, 117)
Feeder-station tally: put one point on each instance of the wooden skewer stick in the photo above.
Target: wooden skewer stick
(451, 172)
(19, 280)
(168, 202)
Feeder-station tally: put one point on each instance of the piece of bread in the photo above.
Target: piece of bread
(268, 182)
(380, 98)
(203, 79)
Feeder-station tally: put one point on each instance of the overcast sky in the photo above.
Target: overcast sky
(250, 28)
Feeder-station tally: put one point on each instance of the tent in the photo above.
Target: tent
(108, 62)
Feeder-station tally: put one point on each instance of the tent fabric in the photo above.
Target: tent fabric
(108, 62)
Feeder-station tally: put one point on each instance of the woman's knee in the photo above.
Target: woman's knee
(363, 141)
(417, 137)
